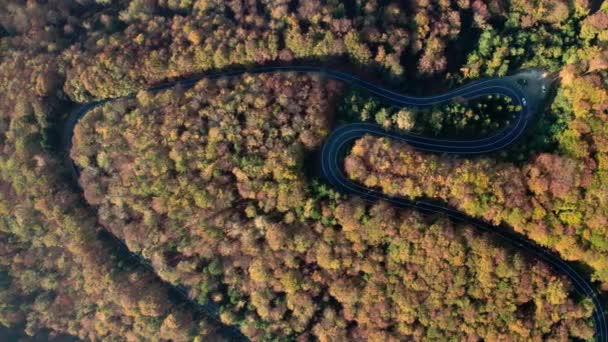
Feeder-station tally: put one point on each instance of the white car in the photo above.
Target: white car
(523, 101)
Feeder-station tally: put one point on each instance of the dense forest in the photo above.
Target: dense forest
(557, 199)
(223, 201)
(215, 185)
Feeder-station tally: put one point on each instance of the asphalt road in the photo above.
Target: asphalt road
(338, 143)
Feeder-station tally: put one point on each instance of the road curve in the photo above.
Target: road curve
(340, 140)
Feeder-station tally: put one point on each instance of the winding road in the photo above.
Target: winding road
(529, 98)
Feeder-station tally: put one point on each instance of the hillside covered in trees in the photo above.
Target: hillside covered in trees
(215, 185)
(224, 201)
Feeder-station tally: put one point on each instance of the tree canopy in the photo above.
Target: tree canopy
(214, 186)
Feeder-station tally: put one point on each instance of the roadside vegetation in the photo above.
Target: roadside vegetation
(472, 119)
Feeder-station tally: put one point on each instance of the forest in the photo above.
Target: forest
(215, 186)
(476, 118)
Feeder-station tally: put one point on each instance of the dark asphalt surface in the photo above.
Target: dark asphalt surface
(340, 140)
